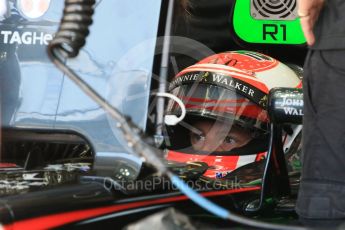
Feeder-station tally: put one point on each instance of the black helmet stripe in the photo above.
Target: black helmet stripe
(243, 88)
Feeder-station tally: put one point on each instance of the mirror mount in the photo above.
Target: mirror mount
(285, 105)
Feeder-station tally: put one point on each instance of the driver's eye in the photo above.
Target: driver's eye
(197, 137)
(229, 140)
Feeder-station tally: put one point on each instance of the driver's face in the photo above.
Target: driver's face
(216, 136)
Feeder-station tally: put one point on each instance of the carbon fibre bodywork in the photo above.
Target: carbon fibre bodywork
(43, 114)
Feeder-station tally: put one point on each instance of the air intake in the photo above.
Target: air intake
(273, 9)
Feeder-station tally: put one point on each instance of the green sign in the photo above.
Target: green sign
(266, 31)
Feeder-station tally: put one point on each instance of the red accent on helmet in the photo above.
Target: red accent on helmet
(244, 60)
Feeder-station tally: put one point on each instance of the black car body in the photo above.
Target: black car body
(62, 153)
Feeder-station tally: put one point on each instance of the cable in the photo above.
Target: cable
(222, 212)
(74, 27)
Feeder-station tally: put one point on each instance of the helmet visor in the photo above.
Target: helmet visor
(218, 103)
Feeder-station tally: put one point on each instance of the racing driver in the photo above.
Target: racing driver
(226, 121)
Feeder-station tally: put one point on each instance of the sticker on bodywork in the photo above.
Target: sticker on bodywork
(268, 22)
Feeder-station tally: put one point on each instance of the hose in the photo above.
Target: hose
(74, 27)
